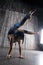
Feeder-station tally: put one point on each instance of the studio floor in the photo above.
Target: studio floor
(30, 57)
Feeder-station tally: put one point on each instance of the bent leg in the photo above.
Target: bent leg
(10, 47)
(8, 55)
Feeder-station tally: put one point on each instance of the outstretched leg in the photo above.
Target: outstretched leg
(27, 16)
(20, 56)
(17, 25)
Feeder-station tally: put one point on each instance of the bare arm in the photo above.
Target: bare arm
(27, 32)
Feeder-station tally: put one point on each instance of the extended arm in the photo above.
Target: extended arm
(27, 32)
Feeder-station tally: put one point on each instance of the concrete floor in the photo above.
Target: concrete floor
(30, 57)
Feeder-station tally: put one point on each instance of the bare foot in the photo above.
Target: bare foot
(8, 56)
(21, 57)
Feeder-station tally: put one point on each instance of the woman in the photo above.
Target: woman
(15, 34)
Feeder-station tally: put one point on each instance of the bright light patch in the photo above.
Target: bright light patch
(41, 37)
(40, 59)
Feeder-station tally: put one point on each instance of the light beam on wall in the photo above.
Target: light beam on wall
(41, 37)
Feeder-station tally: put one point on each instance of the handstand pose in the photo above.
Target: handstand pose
(16, 35)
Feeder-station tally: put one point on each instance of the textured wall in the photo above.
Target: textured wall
(2, 16)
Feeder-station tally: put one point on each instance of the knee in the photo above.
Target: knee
(9, 37)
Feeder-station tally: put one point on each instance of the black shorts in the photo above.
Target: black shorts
(17, 35)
